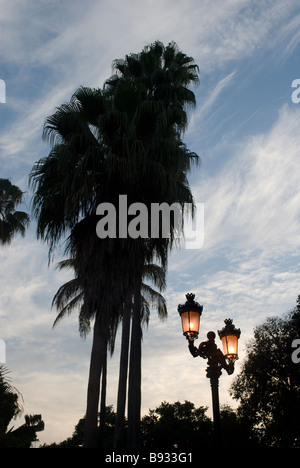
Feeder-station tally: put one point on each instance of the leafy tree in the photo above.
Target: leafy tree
(77, 438)
(235, 431)
(12, 222)
(177, 426)
(268, 386)
(10, 408)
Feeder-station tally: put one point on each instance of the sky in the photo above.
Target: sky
(245, 129)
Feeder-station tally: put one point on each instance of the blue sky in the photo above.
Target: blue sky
(245, 129)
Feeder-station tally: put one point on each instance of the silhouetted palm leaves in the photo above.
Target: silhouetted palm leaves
(12, 222)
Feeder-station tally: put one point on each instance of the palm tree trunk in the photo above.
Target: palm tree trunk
(98, 356)
(119, 440)
(135, 375)
(103, 398)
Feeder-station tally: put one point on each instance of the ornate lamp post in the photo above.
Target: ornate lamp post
(190, 313)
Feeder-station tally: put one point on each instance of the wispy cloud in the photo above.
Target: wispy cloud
(254, 201)
(209, 102)
(207, 106)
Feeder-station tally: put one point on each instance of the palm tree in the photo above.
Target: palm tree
(157, 80)
(76, 295)
(68, 185)
(125, 138)
(155, 84)
(11, 221)
(71, 297)
(137, 308)
(106, 284)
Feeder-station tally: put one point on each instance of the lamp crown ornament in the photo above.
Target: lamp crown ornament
(190, 303)
(229, 329)
(190, 296)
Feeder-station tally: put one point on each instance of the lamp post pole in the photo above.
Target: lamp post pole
(216, 362)
(190, 313)
(214, 383)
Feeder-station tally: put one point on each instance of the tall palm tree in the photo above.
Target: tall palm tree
(106, 284)
(12, 222)
(71, 297)
(158, 80)
(137, 308)
(123, 139)
(156, 85)
(78, 294)
(69, 184)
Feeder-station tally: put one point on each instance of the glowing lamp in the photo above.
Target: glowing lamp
(229, 336)
(190, 314)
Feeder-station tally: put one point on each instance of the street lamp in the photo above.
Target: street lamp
(190, 313)
(229, 336)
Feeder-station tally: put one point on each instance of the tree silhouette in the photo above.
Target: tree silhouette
(169, 427)
(177, 426)
(268, 386)
(10, 408)
(123, 139)
(12, 222)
